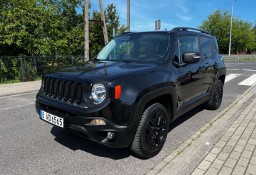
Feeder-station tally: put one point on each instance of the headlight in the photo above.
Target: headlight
(98, 93)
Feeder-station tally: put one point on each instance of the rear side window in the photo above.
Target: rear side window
(206, 47)
(188, 44)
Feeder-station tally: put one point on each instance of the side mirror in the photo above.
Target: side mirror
(191, 57)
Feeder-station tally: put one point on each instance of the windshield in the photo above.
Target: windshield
(146, 47)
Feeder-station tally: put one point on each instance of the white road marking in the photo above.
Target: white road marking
(250, 70)
(249, 81)
(233, 69)
(231, 76)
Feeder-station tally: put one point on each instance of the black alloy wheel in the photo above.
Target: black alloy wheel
(152, 131)
(217, 96)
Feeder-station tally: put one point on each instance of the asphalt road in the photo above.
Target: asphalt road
(31, 146)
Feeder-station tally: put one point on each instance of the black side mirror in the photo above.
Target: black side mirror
(191, 57)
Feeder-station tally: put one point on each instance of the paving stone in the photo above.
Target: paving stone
(220, 144)
(246, 154)
(152, 172)
(169, 158)
(198, 172)
(160, 165)
(210, 157)
(211, 171)
(252, 141)
(228, 133)
(251, 169)
(227, 149)
(247, 132)
(231, 142)
(243, 162)
(225, 138)
(230, 163)
(217, 164)
(239, 170)
(238, 133)
(235, 155)
(241, 142)
(235, 137)
(253, 136)
(231, 129)
(225, 171)
(216, 150)
(249, 147)
(245, 136)
(253, 160)
(223, 156)
(239, 148)
(204, 165)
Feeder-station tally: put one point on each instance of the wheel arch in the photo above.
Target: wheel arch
(165, 96)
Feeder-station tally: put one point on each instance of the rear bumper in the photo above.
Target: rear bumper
(98, 133)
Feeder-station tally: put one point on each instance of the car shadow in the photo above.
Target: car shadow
(75, 142)
(185, 117)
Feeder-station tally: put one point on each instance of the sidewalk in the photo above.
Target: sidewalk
(225, 145)
(18, 88)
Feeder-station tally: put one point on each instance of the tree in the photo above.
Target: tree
(96, 33)
(112, 20)
(218, 23)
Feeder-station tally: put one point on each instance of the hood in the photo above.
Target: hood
(102, 71)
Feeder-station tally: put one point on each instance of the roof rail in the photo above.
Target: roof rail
(189, 28)
(126, 33)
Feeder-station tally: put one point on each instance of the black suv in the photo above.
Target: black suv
(137, 85)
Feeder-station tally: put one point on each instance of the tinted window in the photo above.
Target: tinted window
(213, 46)
(188, 44)
(148, 47)
(206, 47)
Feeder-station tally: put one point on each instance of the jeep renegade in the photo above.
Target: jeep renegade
(136, 86)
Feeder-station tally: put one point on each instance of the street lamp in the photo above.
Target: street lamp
(128, 15)
(230, 33)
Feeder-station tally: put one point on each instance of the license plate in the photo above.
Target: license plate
(53, 119)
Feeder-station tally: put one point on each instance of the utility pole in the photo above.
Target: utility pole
(86, 30)
(128, 15)
(230, 33)
(104, 27)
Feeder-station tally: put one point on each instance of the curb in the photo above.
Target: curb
(181, 156)
(19, 93)
(19, 88)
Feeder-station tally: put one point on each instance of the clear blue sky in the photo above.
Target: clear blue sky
(175, 13)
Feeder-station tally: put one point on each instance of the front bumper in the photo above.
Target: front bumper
(82, 124)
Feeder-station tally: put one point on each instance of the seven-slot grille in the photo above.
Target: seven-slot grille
(63, 89)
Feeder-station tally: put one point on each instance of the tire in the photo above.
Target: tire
(216, 98)
(152, 132)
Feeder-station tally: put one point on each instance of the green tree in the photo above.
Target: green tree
(96, 33)
(218, 23)
(112, 20)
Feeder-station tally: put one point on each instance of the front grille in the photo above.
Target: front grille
(63, 90)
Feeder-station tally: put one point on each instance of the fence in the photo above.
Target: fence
(239, 57)
(26, 68)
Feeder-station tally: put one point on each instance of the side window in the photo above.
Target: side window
(187, 44)
(206, 47)
(213, 46)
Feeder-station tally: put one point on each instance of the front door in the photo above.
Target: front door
(190, 76)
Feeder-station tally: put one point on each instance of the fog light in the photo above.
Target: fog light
(111, 136)
(98, 122)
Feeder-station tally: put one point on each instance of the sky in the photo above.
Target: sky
(176, 13)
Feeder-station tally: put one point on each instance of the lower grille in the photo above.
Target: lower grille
(63, 90)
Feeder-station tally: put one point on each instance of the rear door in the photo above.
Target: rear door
(190, 76)
(208, 53)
